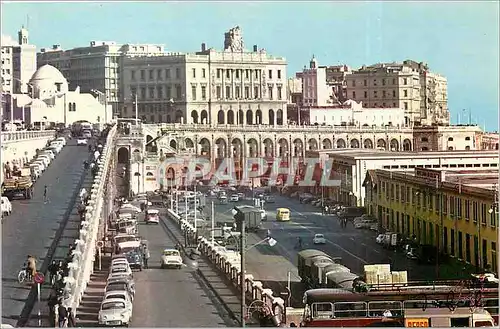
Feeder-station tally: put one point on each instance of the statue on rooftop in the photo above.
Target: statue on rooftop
(233, 40)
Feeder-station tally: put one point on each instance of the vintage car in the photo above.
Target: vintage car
(152, 216)
(120, 269)
(171, 258)
(120, 284)
(319, 239)
(114, 312)
(135, 259)
(129, 207)
(127, 226)
(123, 295)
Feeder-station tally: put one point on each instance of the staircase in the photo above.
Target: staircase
(88, 311)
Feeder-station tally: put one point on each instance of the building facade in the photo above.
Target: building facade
(315, 91)
(408, 85)
(233, 86)
(461, 220)
(96, 67)
(336, 80)
(18, 63)
(351, 113)
(488, 141)
(438, 138)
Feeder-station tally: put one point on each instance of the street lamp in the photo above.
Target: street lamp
(138, 158)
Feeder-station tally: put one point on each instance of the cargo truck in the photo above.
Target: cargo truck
(19, 184)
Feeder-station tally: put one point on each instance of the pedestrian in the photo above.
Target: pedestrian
(45, 198)
(146, 256)
(71, 318)
(63, 315)
(53, 269)
(52, 302)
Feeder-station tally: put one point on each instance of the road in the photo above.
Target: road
(171, 297)
(32, 225)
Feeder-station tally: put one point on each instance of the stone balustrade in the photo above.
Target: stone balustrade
(228, 263)
(15, 136)
(82, 264)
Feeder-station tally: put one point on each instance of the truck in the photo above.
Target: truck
(351, 213)
(19, 184)
(252, 217)
(79, 126)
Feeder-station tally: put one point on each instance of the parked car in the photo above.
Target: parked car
(135, 259)
(319, 239)
(171, 257)
(153, 216)
(81, 141)
(6, 206)
(115, 312)
(364, 223)
(120, 269)
(123, 295)
(234, 198)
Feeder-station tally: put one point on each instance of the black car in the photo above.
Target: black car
(135, 259)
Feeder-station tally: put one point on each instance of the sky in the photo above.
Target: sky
(459, 40)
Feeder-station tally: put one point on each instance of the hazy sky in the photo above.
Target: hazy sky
(458, 40)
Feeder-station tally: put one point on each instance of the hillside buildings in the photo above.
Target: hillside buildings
(233, 86)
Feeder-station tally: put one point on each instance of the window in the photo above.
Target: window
(459, 208)
(467, 209)
(193, 92)
(247, 92)
(405, 105)
(279, 93)
(256, 74)
(133, 91)
(228, 73)
(237, 91)
(424, 139)
(405, 93)
(467, 138)
(365, 83)
(218, 91)
(167, 73)
(194, 73)
(169, 92)
(203, 73)
(450, 139)
(383, 82)
(270, 89)
(393, 81)
(132, 75)
(151, 74)
(393, 93)
(151, 92)
(143, 75)
(279, 74)
(405, 81)
(375, 94)
(247, 74)
(354, 83)
(383, 94)
(228, 92)
(143, 93)
(159, 92)
(203, 92)
(178, 73)
(178, 92)
(452, 206)
(218, 73)
(366, 94)
(256, 92)
(484, 213)
(270, 74)
(353, 94)
(467, 247)
(237, 74)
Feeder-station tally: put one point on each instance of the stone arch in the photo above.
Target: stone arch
(282, 147)
(241, 117)
(271, 117)
(204, 117)
(178, 116)
(253, 148)
(249, 117)
(381, 143)
(341, 144)
(204, 146)
(279, 117)
(298, 147)
(230, 117)
(123, 155)
(258, 117)
(312, 144)
(354, 143)
(406, 145)
(170, 175)
(189, 143)
(194, 116)
(367, 143)
(268, 147)
(173, 144)
(236, 147)
(221, 147)
(327, 144)
(221, 117)
(394, 144)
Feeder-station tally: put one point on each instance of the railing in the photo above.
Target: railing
(14, 136)
(82, 264)
(229, 265)
(281, 129)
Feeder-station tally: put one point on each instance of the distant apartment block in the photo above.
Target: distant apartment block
(447, 138)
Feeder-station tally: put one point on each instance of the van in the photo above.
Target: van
(282, 214)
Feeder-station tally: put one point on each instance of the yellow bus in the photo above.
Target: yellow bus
(282, 214)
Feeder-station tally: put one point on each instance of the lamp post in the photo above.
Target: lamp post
(138, 159)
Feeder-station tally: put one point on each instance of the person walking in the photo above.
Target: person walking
(146, 255)
(71, 318)
(63, 315)
(45, 197)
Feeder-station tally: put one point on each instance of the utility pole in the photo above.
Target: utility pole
(136, 109)
(242, 274)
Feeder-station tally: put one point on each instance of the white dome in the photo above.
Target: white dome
(48, 82)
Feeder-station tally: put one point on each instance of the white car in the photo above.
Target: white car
(380, 238)
(62, 140)
(81, 141)
(365, 223)
(51, 154)
(45, 159)
(128, 206)
(319, 239)
(234, 198)
(117, 294)
(114, 312)
(171, 258)
(6, 206)
(120, 269)
(40, 164)
(122, 261)
(153, 216)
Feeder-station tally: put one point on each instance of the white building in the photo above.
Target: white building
(315, 90)
(223, 87)
(97, 66)
(351, 165)
(352, 113)
(51, 101)
(18, 62)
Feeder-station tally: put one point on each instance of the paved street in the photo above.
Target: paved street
(32, 225)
